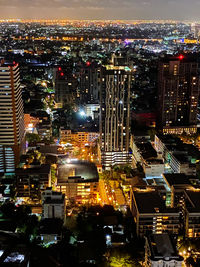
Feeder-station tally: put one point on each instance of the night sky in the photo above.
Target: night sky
(101, 9)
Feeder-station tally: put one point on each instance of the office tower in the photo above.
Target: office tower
(115, 115)
(178, 86)
(11, 117)
(195, 28)
(65, 85)
(89, 86)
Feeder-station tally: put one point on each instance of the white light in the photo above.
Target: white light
(108, 237)
(82, 113)
(68, 160)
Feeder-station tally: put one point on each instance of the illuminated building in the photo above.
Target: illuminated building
(79, 181)
(11, 117)
(92, 110)
(195, 29)
(81, 138)
(31, 182)
(115, 115)
(147, 157)
(151, 214)
(79, 190)
(30, 123)
(181, 157)
(89, 90)
(171, 206)
(178, 86)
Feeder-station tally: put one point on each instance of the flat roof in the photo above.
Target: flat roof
(149, 202)
(162, 247)
(82, 169)
(40, 169)
(194, 199)
(146, 149)
(177, 178)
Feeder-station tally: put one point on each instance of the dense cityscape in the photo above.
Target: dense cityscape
(99, 143)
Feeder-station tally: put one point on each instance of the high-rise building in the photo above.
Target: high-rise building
(11, 117)
(65, 85)
(115, 115)
(178, 91)
(89, 86)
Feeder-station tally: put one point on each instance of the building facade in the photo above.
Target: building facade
(178, 86)
(78, 190)
(11, 117)
(81, 138)
(89, 86)
(53, 204)
(65, 85)
(115, 115)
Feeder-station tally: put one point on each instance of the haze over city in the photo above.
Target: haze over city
(104, 9)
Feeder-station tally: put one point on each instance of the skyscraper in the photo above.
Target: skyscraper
(11, 117)
(89, 83)
(115, 115)
(65, 85)
(178, 90)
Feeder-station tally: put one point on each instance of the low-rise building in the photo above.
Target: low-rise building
(147, 157)
(79, 190)
(81, 138)
(53, 204)
(50, 231)
(171, 206)
(179, 156)
(32, 181)
(151, 215)
(154, 167)
(160, 251)
(79, 181)
(30, 123)
(45, 130)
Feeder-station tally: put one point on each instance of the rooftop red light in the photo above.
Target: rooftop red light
(88, 63)
(62, 74)
(59, 68)
(181, 57)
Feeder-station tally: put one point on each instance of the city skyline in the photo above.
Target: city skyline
(93, 9)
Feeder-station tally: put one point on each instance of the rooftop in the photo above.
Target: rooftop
(162, 247)
(41, 169)
(194, 200)
(82, 169)
(146, 150)
(151, 202)
(177, 179)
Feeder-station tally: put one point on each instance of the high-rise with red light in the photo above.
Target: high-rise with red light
(11, 118)
(65, 85)
(178, 91)
(89, 86)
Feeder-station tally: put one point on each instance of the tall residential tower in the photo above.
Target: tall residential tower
(115, 115)
(11, 117)
(178, 91)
